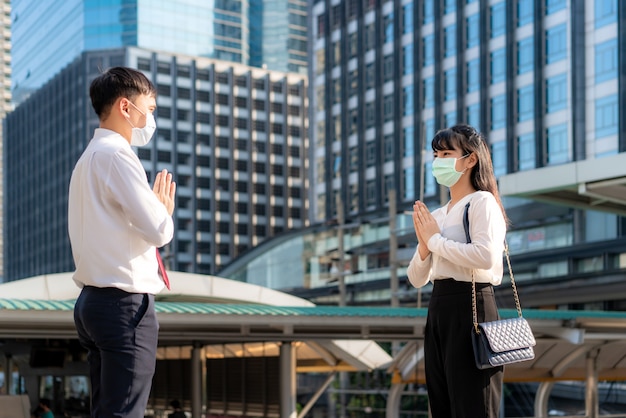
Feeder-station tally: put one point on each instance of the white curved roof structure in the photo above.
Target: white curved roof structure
(325, 354)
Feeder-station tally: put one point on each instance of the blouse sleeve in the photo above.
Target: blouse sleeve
(419, 270)
(487, 232)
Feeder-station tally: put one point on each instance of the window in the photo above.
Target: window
(407, 13)
(556, 93)
(556, 43)
(449, 6)
(557, 144)
(409, 183)
(606, 60)
(408, 59)
(525, 55)
(409, 141)
(370, 115)
(473, 75)
(498, 156)
(605, 12)
(408, 95)
(429, 12)
(526, 149)
(429, 92)
(388, 67)
(525, 103)
(370, 153)
(498, 112)
(450, 41)
(473, 115)
(388, 108)
(498, 66)
(388, 27)
(553, 6)
(369, 76)
(497, 18)
(370, 36)
(370, 192)
(607, 122)
(388, 143)
(353, 153)
(473, 32)
(429, 181)
(429, 131)
(451, 118)
(450, 84)
(429, 50)
(525, 12)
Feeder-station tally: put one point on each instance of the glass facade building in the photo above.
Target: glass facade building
(234, 136)
(224, 29)
(540, 78)
(5, 92)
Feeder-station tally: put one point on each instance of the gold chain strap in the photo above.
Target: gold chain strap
(515, 295)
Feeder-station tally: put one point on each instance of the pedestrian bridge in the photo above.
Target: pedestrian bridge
(212, 317)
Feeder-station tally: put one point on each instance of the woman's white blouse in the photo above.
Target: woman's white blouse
(451, 256)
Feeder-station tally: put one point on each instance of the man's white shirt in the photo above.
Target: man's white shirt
(115, 220)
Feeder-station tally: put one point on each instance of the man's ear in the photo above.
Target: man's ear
(121, 105)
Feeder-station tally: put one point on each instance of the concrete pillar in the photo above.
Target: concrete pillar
(287, 381)
(592, 405)
(198, 380)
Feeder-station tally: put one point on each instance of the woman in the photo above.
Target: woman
(456, 387)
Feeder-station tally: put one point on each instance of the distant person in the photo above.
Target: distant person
(45, 407)
(178, 410)
(116, 222)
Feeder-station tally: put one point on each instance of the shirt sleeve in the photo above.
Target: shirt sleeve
(126, 182)
(487, 232)
(419, 270)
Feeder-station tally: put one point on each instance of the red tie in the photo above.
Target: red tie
(162, 271)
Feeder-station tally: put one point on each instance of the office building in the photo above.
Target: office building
(541, 79)
(5, 93)
(48, 35)
(234, 136)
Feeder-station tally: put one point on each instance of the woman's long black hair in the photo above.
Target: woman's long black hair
(468, 140)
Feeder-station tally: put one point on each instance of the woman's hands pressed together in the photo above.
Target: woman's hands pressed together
(425, 227)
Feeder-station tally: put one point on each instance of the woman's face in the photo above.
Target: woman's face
(453, 153)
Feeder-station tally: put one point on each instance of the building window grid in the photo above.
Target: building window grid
(498, 66)
(525, 55)
(556, 93)
(526, 149)
(605, 12)
(606, 116)
(525, 103)
(450, 84)
(473, 30)
(499, 157)
(553, 6)
(525, 12)
(498, 112)
(606, 61)
(558, 149)
(556, 43)
(450, 41)
(497, 19)
(473, 75)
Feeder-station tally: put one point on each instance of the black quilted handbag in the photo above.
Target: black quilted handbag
(504, 341)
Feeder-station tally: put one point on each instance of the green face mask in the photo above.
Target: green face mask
(444, 170)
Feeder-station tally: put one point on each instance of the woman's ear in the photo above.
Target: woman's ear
(472, 159)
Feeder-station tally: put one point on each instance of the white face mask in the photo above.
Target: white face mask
(141, 136)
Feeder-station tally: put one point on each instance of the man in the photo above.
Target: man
(116, 222)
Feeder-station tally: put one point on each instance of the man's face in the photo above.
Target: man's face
(139, 108)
